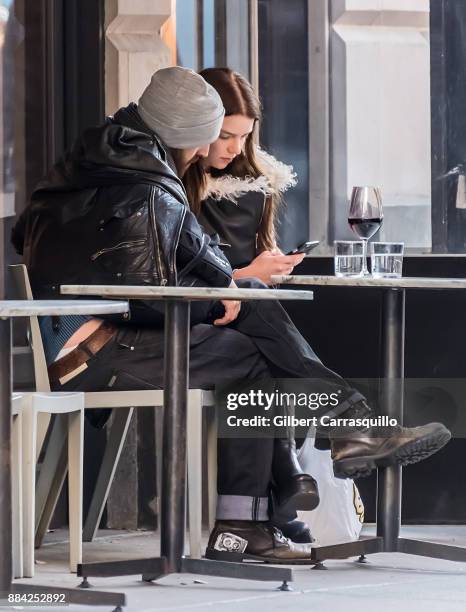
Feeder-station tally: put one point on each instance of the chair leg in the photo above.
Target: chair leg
(29, 484)
(212, 432)
(194, 456)
(43, 422)
(116, 439)
(75, 485)
(51, 477)
(17, 495)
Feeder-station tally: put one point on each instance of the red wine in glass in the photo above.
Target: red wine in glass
(365, 228)
(365, 216)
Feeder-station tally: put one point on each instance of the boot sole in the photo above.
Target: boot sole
(219, 555)
(411, 452)
(305, 497)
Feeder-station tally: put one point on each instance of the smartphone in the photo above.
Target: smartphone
(305, 248)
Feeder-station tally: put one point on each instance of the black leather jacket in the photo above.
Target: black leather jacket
(113, 211)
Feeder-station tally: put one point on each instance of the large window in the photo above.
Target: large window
(448, 95)
(284, 90)
(355, 92)
(265, 40)
(214, 33)
(10, 97)
(380, 114)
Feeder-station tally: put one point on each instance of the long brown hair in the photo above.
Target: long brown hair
(238, 98)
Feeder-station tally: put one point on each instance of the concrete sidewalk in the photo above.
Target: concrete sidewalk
(389, 582)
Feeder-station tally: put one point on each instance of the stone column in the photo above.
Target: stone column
(140, 39)
(380, 112)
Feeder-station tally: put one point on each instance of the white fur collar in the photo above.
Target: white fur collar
(277, 178)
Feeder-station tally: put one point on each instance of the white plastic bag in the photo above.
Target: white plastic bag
(339, 517)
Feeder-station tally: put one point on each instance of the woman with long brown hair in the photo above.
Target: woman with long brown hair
(237, 190)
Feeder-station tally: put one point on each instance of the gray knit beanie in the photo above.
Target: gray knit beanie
(183, 109)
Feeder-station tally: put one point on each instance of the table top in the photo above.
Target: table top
(186, 293)
(395, 283)
(28, 308)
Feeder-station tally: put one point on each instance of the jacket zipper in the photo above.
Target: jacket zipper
(172, 261)
(163, 280)
(175, 245)
(117, 247)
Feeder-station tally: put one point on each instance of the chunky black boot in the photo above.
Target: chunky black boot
(294, 490)
(357, 451)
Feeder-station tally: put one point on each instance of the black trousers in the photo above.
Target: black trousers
(262, 343)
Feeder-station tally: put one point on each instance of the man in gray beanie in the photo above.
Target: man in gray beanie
(117, 210)
(184, 111)
(181, 108)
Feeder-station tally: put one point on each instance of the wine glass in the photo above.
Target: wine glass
(365, 216)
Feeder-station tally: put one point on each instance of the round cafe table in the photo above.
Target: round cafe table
(10, 309)
(176, 384)
(391, 400)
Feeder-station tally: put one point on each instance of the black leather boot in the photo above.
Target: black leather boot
(356, 452)
(297, 531)
(294, 490)
(288, 523)
(243, 540)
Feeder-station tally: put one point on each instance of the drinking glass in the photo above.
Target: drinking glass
(387, 259)
(349, 258)
(365, 216)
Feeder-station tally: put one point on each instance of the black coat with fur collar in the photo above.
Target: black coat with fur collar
(233, 207)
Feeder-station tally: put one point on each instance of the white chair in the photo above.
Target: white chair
(53, 471)
(71, 405)
(17, 484)
(26, 408)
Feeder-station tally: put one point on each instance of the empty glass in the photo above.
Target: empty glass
(387, 259)
(349, 258)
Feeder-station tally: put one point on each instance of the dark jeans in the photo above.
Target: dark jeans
(262, 343)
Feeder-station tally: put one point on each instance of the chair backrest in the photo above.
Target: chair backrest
(23, 289)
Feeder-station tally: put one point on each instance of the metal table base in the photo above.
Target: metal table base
(177, 317)
(389, 478)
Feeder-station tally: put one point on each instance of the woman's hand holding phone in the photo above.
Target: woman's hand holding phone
(268, 263)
